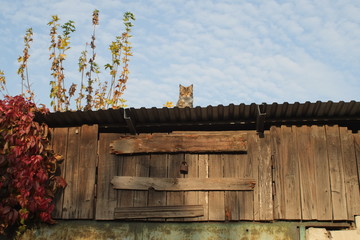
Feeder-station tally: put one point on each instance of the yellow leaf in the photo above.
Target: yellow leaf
(169, 104)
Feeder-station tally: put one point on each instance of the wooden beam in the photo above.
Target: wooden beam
(190, 142)
(159, 212)
(183, 184)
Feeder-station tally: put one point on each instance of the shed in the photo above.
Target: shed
(296, 162)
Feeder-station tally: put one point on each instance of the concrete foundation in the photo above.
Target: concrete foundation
(81, 230)
(109, 230)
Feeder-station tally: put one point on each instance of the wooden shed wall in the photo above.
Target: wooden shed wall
(302, 173)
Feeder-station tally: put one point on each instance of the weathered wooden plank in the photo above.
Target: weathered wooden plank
(350, 173)
(158, 169)
(204, 195)
(248, 169)
(183, 184)
(174, 198)
(142, 170)
(275, 137)
(72, 173)
(338, 197)
(231, 170)
(216, 198)
(265, 194)
(322, 176)
(291, 174)
(126, 197)
(286, 174)
(251, 166)
(151, 143)
(159, 212)
(106, 200)
(191, 197)
(59, 145)
(307, 169)
(357, 153)
(87, 172)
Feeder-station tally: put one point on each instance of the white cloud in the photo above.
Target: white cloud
(232, 51)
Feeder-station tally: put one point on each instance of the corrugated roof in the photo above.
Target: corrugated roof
(219, 117)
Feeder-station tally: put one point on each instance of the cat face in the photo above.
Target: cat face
(186, 91)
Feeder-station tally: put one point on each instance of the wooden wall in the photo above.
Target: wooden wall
(315, 173)
(302, 173)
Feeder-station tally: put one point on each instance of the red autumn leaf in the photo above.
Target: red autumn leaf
(46, 217)
(27, 165)
(60, 182)
(17, 150)
(42, 175)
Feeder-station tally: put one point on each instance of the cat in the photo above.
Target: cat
(185, 97)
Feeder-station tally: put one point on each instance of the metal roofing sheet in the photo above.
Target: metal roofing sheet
(245, 115)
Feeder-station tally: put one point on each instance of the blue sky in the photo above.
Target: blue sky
(232, 51)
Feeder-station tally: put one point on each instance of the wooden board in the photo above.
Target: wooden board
(106, 200)
(231, 170)
(158, 169)
(87, 172)
(174, 198)
(291, 175)
(275, 138)
(265, 194)
(350, 173)
(142, 170)
(357, 153)
(287, 199)
(159, 212)
(307, 169)
(248, 169)
(191, 197)
(204, 195)
(216, 198)
(126, 197)
(183, 184)
(72, 173)
(152, 143)
(59, 145)
(336, 173)
(322, 176)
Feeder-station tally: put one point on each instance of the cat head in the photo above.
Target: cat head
(186, 91)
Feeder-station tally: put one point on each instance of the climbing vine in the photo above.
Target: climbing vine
(28, 179)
